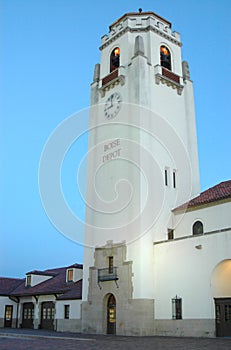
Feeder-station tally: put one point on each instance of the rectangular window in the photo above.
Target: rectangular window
(174, 178)
(176, 308)
(170, 234)
(44, 313)
(8, 312)
(66, 311)
(70, 275)
(110, 265)
(166, 177)
(28, 281)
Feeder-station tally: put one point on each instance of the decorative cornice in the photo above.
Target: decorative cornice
(116, 77)
(139, 30)
(219, 231)
(111, 84)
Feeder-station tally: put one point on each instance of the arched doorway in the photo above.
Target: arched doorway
(111, 315)
(221, 289)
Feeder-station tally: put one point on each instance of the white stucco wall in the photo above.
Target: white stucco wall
(215, 216)
(75, 309)
(105, 190)
(181, 269)
(3, 302)
(36, 279)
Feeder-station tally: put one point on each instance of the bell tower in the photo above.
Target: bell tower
(142, 163)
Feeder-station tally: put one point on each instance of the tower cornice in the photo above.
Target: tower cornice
(135, 14)
(138, 23)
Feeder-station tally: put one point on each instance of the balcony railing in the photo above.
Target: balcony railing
(116, 77)
(170, 75)
(169, 78)
(107, 274)
(112, 76)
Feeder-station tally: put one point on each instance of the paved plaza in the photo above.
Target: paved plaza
(44, 340)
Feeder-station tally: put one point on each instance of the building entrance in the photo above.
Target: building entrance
(111, 315)
(8, 316)
(28, 315)
(48, 315)
(223, 317)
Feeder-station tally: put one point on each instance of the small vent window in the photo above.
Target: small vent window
(170, 234)
(165, 57)
(115, 59)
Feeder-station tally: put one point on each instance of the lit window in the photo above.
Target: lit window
(8, 312)
(66, 311)
(198, 228)
(165, 57)
(70, 275)
(115, 59)
(176, 308)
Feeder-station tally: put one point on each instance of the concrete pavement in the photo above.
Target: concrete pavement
(22, 339)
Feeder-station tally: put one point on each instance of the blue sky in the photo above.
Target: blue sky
(48, 52)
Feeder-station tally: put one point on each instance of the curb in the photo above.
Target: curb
(37, 336)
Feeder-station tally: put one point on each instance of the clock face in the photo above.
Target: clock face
(112, 105)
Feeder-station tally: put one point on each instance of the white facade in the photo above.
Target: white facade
(4, 302)
(143, 163)
(48, 299)
(157, 256)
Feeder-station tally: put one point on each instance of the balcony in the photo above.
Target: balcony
(116, 77)
(107, 275)
(169, 78)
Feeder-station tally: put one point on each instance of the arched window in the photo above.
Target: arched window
(197, 228)
(115, 59)
(165, 57)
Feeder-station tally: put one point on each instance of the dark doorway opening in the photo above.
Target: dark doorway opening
(223, 317)
(47, 315)
(28, 315)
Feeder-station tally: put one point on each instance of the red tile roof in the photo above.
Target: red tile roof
(53, 272)
(55, 285)
(216, 193)
(74, 292)
(7, 285)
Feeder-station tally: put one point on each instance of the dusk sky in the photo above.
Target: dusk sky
(48, 52)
